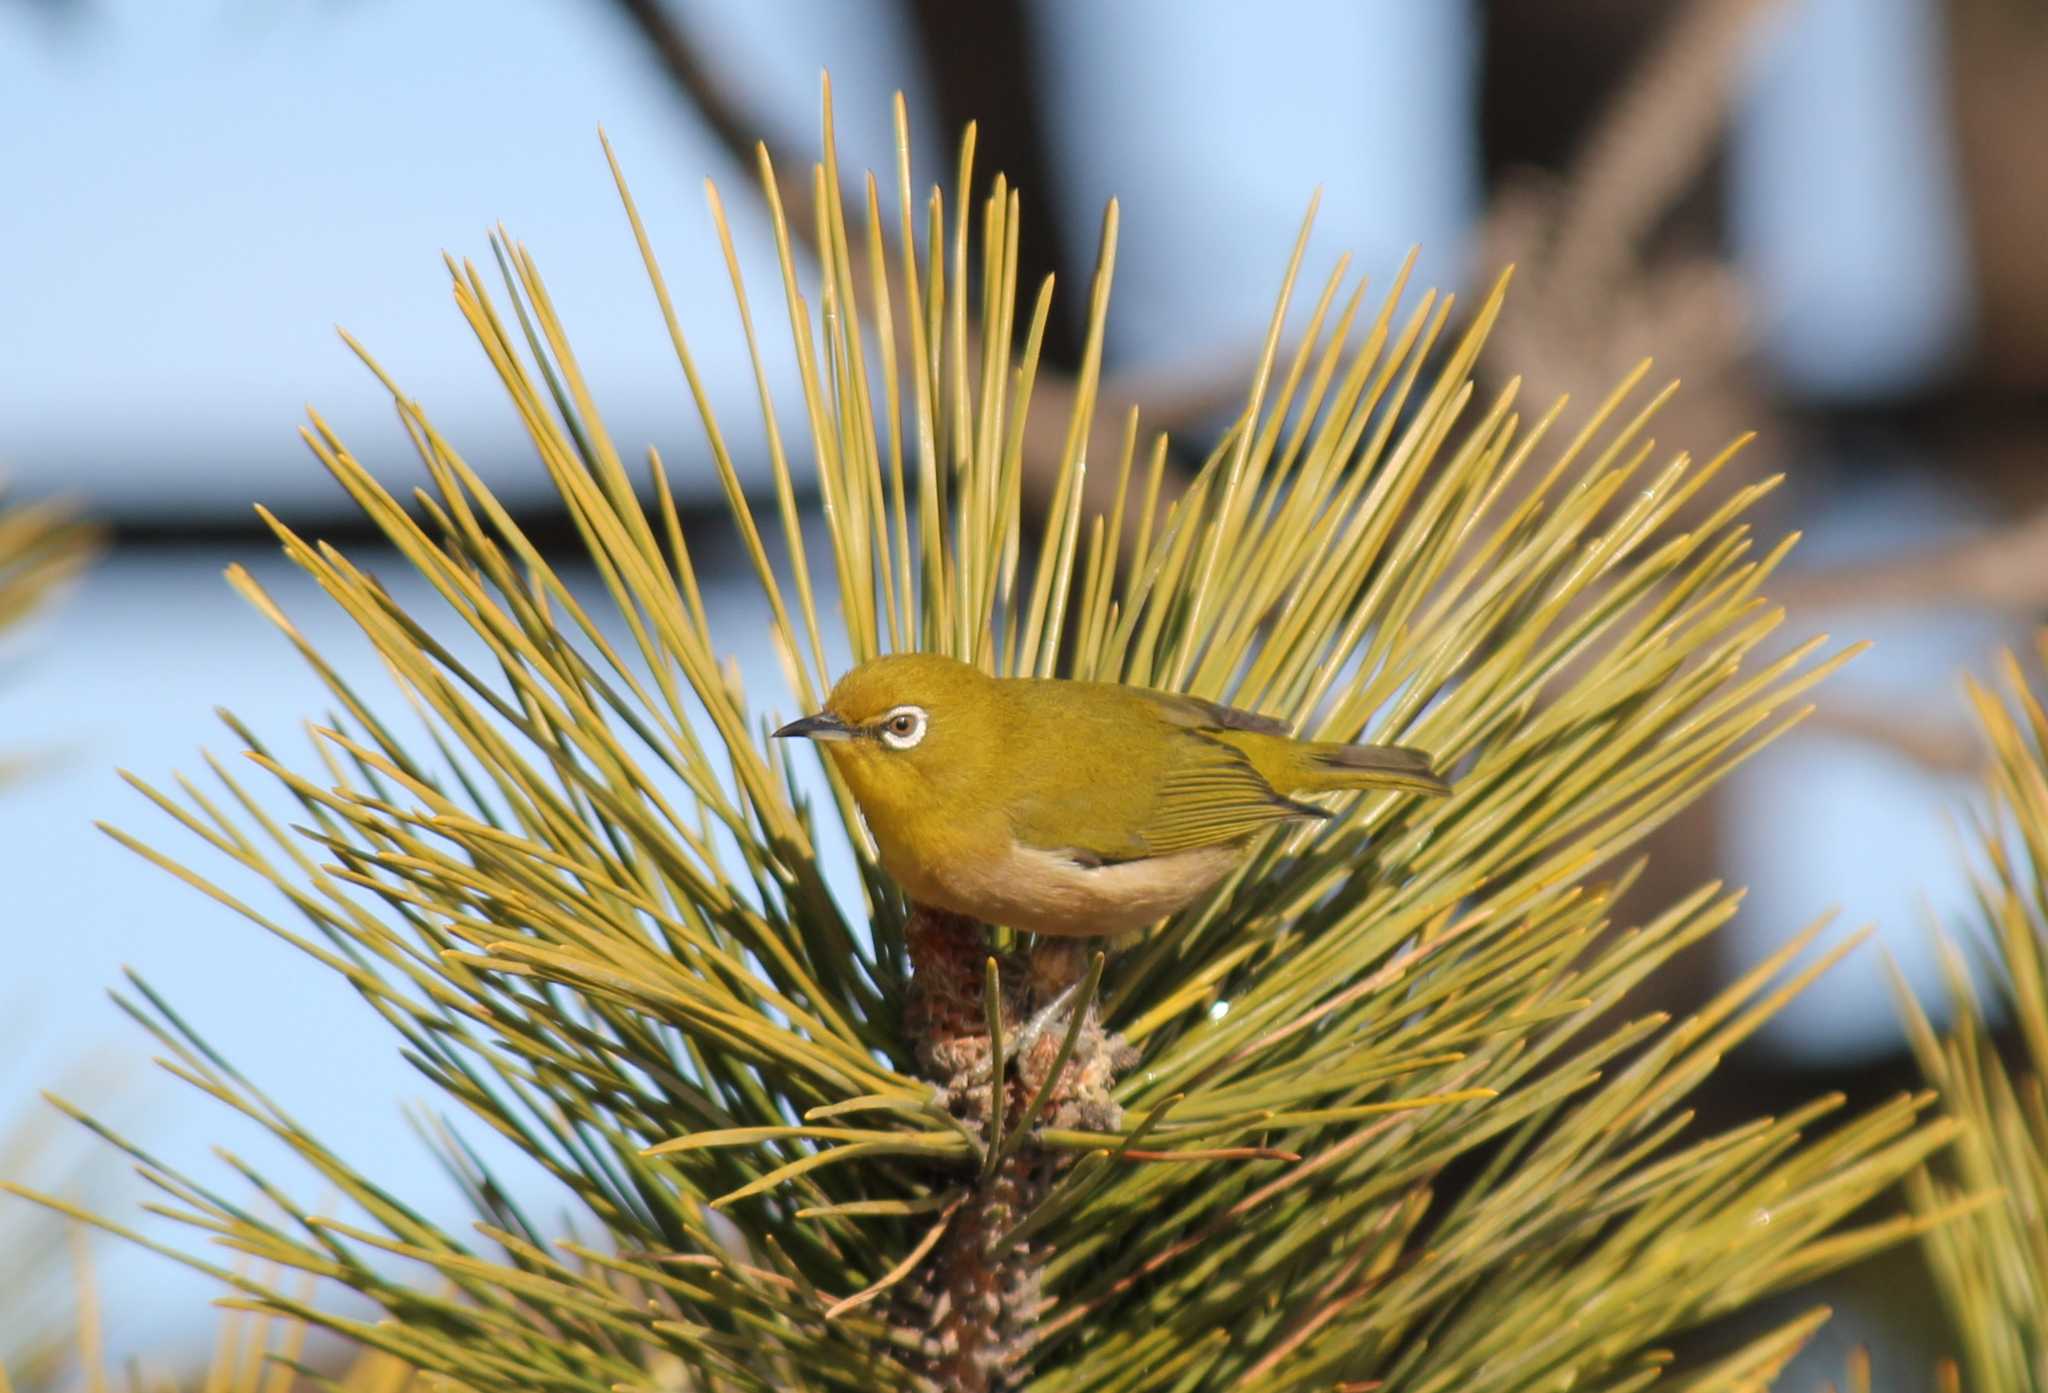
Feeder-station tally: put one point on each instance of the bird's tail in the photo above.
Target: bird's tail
(1328, 768)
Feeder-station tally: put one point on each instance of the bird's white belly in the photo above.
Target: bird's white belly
(1050, 892)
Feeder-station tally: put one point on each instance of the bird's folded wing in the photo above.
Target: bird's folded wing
(1195, 714)
(1212, 794)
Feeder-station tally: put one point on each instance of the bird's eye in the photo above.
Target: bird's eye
(903, 727)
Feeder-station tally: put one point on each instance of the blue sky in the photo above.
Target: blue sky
(212, 187)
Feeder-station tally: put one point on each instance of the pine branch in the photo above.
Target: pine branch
(1363, 1115)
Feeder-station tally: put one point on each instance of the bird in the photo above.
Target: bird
(1071, 808)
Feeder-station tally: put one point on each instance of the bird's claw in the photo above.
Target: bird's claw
(1041, 1021)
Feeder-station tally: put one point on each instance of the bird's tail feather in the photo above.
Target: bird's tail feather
(1333, 767)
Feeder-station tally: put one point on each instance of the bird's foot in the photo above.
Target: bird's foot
(1042, 1020)
(1026, 1041)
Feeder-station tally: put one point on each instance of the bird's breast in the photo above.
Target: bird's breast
(1051, 891)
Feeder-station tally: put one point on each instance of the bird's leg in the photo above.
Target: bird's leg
(1044, 1017)
(1056, 965)
(1054, 971)
(1041, 1020)
(1055, 968)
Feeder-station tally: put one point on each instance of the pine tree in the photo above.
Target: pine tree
(1373, 1113)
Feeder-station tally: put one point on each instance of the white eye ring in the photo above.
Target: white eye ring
(903, 728)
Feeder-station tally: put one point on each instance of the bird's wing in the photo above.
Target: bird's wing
(1213, 794)
(1148, 796)
(1197, 714)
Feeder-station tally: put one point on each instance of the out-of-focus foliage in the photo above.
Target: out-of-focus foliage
(1390, 1122)
(253, 1352)
(41, 547)
(1992, 1266)
(1857, 1378)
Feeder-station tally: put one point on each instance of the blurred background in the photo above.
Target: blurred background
(1820, 214)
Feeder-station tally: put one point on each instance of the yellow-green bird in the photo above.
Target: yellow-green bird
(1074, 808)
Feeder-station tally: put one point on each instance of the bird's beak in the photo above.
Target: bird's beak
(823, 726)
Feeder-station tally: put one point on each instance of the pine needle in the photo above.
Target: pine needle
(1991, 1265)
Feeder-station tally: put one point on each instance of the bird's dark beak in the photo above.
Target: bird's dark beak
(823, 726)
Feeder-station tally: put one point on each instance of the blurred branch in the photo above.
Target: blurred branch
(1938, 745)
(983, 65)
(56, 11)
(714, 106)
(2002, 569)
(1654, 141)
(1592, 296)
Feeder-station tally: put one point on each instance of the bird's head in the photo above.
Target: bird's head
(907, 732)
